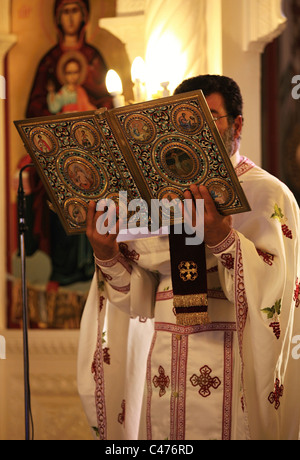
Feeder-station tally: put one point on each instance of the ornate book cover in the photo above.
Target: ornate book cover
(151, 150)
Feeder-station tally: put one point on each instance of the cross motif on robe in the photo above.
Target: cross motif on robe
(162, 381)
(276, 394)
(205, 381)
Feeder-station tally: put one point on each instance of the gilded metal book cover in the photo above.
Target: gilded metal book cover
(152, 150)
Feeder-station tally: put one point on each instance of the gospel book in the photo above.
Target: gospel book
(152, 151)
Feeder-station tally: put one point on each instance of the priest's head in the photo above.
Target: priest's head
(225, 101)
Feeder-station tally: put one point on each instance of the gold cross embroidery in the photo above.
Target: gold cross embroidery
(188, 270)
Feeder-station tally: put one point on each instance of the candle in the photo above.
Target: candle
(115, 88)
(166, 91)
(138, 78)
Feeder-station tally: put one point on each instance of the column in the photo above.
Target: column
(183, 40)
(247, 27)
(7, 40)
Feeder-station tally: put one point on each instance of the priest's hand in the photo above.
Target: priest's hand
(102, 236)
(216, 226)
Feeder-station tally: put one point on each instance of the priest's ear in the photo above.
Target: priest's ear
(238, 126)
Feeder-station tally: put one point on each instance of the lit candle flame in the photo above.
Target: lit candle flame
(113, 83)
(115, 88)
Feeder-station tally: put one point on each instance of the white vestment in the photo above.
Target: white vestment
(141, 376)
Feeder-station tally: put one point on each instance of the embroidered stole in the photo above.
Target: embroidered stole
(188, 267)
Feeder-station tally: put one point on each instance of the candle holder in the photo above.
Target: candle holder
(166, 91)
(138, 79)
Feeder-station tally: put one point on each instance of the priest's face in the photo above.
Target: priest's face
(229, 131)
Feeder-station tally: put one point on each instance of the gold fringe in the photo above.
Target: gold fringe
(192, 319)
(190, 300)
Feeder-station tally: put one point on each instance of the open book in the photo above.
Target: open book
(149, 151)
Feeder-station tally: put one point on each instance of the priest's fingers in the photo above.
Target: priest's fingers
(187, 211)
(90, 217)
(102, 232)
(195, 191)
(192, 212)
(209, 204)
(107, 218)
(216, 226)
(210, 209)
(94, 211)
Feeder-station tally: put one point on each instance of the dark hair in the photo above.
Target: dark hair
(209, 84)
(83, 3)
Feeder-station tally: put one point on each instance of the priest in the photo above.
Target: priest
(212, 361)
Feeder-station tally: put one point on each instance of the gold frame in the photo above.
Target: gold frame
(142, 149)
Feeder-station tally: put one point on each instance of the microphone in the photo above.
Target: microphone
(22, 229)
(21, 201)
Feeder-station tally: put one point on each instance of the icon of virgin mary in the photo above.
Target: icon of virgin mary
(71, 19)
(75, 63)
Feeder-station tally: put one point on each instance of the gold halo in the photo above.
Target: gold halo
(65, 58)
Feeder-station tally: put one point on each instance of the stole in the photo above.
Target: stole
(188, 269)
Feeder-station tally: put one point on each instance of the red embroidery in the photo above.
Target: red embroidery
(227, 261)
(205, 381)
(212, 269)
(123, 289)
(143, 319)
(267, 257)
(119, 258)
(297, 294)
(225, 244)
(97, 371)
(132, 255)
(286, 231)
(105, 276)
(243, 403)
(276, 394)
(162, 381)
(93, 367)
(244, 166)
(106, 355)
(276, 328)
(278, 214)
(274, 313)
(121, 416)
(240, 296)
(101, 302)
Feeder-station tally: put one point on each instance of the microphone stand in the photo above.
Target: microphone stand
(22, 229)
